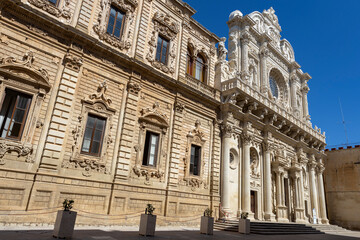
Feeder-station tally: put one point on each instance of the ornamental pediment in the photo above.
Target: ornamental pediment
(23, 70)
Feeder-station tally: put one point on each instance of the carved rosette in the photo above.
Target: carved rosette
(127, 6)
(22, 150)
(165, 27)
(73, 62)
(63, 12)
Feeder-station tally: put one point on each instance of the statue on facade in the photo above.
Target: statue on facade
(222, 51)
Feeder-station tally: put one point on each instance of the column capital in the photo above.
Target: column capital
(226, 130)
(268, 146)
(305, 89)
(247, 138)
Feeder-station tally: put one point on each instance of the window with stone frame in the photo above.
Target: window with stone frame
(13, 113)
(115, 24)
(151, 149)
(150, 155)
(94, 135)
(162, 49)
(195, 160)
(196, 65)
(22, 91)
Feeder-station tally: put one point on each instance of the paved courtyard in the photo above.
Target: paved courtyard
(114, 233)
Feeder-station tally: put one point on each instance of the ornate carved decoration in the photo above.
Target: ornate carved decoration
(197, 134)
(4, 39)
(133, 87)
(247, 138)
(128, 6)
(73, 62)
(45, 5)
(23, 150)
(164, 26)
(195, 183)
(88, 166)
(226, 129)
(222, 51)
(37, 30)
(179, 107)
(254, 163)
(154, 116)
(25, 70)
(100, 96)
(148, 173)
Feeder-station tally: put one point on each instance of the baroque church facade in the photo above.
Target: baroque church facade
(120, 103)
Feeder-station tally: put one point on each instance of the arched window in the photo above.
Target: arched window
(273, 87)
(190, 63)
(200, 69)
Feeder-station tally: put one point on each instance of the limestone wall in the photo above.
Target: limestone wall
(74, 70)
(342, 185)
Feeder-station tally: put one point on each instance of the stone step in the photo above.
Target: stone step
(268, 228)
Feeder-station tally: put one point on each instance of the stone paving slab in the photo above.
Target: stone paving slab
(173, 233)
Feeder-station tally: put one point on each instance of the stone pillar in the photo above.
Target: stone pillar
(293, 92)
(225, 191)
(313, 188)
(267, 184)
(264, 53)
(305, 91)
(322, 203)
(246, 174)
(302, 190)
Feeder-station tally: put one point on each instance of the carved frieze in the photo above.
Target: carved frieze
(63, 12)
(195, 183)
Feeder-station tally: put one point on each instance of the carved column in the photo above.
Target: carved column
(245, 56)
(267, 184)
(323, 216)
(302, 205)
(279, 194)
(246, 174)
(225, 190)
(264, 53)
(293, 92)
(313, 188)
(305, 91)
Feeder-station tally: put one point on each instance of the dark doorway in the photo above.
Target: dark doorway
(253, 202)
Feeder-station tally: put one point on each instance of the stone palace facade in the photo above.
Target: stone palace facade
(120, 103)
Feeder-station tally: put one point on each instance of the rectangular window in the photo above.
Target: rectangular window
(195, 160)
(115, 22)
(54, 2)
(162, 49)
(13, 114)
(151, 149)
(94, 134)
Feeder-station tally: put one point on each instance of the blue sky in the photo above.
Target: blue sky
(325, 36)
